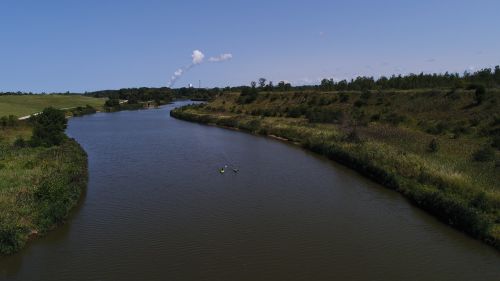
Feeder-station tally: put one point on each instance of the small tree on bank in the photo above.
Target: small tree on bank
(48, 127)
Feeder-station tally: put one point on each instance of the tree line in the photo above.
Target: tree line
(486, 77)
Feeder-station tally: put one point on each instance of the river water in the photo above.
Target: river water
(156, 208)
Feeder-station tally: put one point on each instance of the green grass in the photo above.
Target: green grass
(38, 186)
(392, 149)
(22, 105)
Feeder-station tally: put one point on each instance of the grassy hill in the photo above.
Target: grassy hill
(22, 105)
(438, 147)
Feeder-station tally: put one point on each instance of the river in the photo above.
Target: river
(156, 208)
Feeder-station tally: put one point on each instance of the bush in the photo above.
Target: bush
(352, 136)
(479, 94)
(11, 238)
(324, 115)
(433, 146)
(112, 102)
(359, 103)
(294, 112)
(19, 142)
(366, 95)
(394, 119)
(496, 142)
(48, 128)
(438, 129)
(484, 154)
(344, 97)
(79, 111)
(8, 121)
(248, 95)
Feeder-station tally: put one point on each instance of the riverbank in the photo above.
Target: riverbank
(470, 204)
(39, 186)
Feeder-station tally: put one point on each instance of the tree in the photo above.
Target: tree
(262, 82)
(253, 84)
(327, 84)
(48, 127)
(270, 86)
(283, 86)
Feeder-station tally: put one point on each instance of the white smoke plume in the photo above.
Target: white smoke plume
(222, 57)
(197, 58)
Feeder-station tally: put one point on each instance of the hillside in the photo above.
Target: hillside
(439, 147)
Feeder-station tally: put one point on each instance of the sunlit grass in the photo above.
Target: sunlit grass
(22, 105)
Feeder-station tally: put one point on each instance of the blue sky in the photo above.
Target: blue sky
(90, 45)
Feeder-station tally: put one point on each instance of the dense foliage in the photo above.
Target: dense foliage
(135, 95)
(38, 188)
(48, 127)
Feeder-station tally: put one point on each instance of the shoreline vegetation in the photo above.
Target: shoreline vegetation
(43, 172)
(434, 146)
(41, 183)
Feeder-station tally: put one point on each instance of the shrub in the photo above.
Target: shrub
(8, 121)
(375, 117)
(11, 238)
(366, 95)
(112, 102)
(496, 142)
(344, 97)
(19, 142)
(352, 136)
(484, 154)
(248, 95)
(294, 112)
(395, 119)
(479, 94)
(324, 115)
(48, 128)
(359, 103)
(438, 129)
(433, 146)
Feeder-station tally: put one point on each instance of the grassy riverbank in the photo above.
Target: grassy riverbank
(38, 185)
(436, 147)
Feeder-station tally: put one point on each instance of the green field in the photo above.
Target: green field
(438, 147)
(22, 105)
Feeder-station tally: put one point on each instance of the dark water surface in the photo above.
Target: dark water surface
(156, 208)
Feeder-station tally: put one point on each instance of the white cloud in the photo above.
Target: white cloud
(222, 57)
